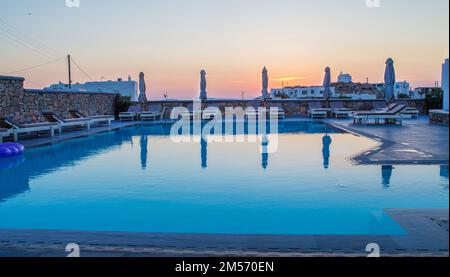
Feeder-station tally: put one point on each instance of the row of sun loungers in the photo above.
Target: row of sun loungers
(337, 110)
(54, 123)
(315, 111)
(135, 112)
(408, 112)
(155, 111)
(96, 119)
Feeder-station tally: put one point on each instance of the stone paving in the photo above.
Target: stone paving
(73, 134)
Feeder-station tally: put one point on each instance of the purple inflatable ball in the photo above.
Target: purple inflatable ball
(5, 152)
(14, 150)
(17, 145)
(20, 147)
(11, 149)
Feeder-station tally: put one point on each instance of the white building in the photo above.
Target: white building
(125, 88)
(345, 78)
(299, 92)
(400, 88)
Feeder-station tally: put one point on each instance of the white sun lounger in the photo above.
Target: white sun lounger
(339, 111)
(107, 119)
(131, 114)
(392, 115)
(153, 112)
(316, 111)
(16, 129)
(409, 112)
(71, 122)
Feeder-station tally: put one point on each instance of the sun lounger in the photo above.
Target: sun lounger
(339, 111)
(70, 122)
(392, 115)
(153, 112)
(3, 134)
(95, 119)
(410, 112)
(16, 128)
(131, 114)
(276, 110)
(316, 111)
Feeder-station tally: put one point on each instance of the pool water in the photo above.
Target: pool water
(138, 180)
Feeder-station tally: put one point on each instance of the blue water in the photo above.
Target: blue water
(138, 180)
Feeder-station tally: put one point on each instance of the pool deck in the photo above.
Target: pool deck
(73, 134)
(416, 142)
(427, 237)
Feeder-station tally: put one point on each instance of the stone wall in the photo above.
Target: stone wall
(26, 106)
(292, 108)
(439, 117)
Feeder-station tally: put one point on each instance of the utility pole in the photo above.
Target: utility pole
(70, 71)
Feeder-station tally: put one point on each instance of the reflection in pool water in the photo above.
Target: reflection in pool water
(386, 172)
(138, 180)
(326, 141)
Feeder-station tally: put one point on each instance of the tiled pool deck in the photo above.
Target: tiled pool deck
(416, 142)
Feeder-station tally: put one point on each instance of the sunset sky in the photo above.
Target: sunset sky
(172, 40)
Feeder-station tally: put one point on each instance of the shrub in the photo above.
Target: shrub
(121, 104)
(403, 96)
(434, 99)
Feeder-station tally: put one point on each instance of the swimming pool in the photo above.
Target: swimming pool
(138, 180)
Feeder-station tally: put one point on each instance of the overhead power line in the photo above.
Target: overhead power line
(34, 66)
(27, 37)
(92, 79)
(21, 39)
(18, 43)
